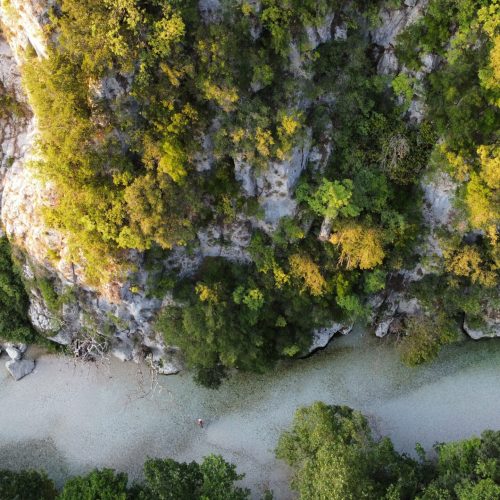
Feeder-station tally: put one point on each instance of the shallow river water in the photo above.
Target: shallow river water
(69, 418)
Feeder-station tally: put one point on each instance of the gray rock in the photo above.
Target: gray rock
(386, 317)
(340, 33)
(20, 368)
(383, 326)
(166, 362)
(439, 193)
(322, 336)
(277, 183)
(388, 63)
(409, 307)
(228, 240)
(326, 229)
(210, 10)
(205, 158)
(13, 353)
(317, 35)
(491, 328)
(63, 337)
(430, 62)
(169, 368)
(41, 318)
(394, 22)
(416, 111)
(123, 352)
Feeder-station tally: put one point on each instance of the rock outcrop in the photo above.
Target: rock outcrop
(20, 368)
(17, 366)
(323, 336)
(489, 327)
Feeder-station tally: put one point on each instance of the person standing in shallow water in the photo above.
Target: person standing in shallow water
(200, 422)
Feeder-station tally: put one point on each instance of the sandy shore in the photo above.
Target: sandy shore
(70, 418)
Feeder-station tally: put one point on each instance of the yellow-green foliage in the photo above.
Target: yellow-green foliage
(467, 261)
(360, 246)
(304, 268)
(483, 192)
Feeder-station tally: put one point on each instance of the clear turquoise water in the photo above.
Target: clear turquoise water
(69, 419)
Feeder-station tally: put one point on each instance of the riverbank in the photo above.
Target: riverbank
(71, 418)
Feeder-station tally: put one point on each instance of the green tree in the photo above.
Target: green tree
(471, 466)
(166, 479)
(213, 479)
(219, 477)
(104, 484)
(334, 456)
(26, 485)
(14, 302)
(330, 199)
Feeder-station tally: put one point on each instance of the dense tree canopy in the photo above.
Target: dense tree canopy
(164, 479)
(334, 456)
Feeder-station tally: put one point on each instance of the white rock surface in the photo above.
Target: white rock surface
(388, 63)
(275, 185)
(244, 174)
(63, 337)
(438, 195)
(13, 353)
(41, 318)
(491, 328)
(393, 22)
(20, 368)
(322, 33)
(340, 33)
(387, 315)
(323, 336)
(383, 326)
(409, 306)
(23, 21)
(228, 240)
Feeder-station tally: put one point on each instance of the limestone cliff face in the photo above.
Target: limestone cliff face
(127, 315)
(124, 311)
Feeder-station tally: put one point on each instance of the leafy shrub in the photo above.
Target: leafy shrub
(424, 336)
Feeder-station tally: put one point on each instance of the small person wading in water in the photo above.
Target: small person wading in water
(200, 422)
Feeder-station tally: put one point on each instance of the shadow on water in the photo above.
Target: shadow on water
(35, 454)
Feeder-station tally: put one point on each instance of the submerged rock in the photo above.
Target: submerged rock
(20, 368)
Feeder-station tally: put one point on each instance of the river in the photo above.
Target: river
(69, 418)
